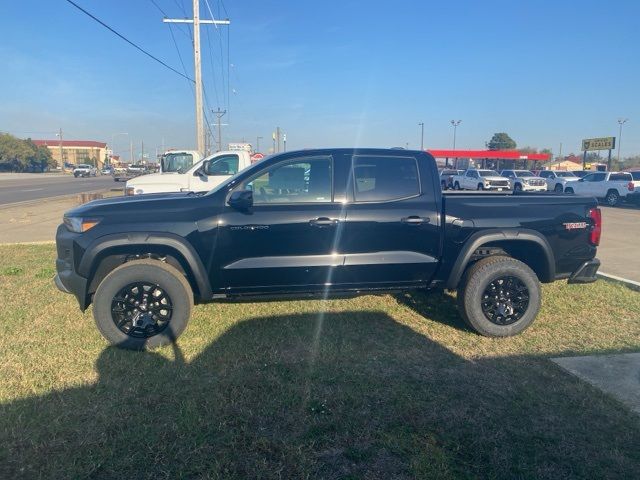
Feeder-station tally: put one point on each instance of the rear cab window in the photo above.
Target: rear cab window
(384, 179)
(620, 177)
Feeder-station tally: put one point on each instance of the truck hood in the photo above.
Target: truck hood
(568, 179)
(494, 178)
(151, 201)
(155, 178)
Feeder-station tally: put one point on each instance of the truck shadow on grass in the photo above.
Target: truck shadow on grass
(335, 395)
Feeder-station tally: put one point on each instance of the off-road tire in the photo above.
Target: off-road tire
(169, 278)
(558, 188)
(569, 191)
(456, 186)
(480, 186)
(517, 187)
(472, 287)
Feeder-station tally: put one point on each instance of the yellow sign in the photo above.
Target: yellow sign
(604, 143)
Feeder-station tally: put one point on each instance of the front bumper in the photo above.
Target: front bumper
(534, 188)
(67, 280)
(586, 273)
(497, 187)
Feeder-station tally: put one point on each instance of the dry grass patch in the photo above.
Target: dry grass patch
(371, 387)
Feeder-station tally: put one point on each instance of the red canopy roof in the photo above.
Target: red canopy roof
(499, 154)
(71, 143)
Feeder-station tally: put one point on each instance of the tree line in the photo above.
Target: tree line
(22, 155)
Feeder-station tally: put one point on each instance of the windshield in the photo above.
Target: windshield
(524, 173)
(177, 162)
(488, 173)
(564, 174)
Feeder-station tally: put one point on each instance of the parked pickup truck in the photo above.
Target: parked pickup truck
(203, 176)
(612, 187)
(480, 179)
(321, 223)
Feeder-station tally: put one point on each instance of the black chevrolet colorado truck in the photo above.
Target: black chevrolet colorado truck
(321, 223)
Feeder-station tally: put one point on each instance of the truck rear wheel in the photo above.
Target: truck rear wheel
(143, 304)
(612, 198)
(499, 296)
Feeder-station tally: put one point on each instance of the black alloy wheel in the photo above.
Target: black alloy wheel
(141, 309)
(505, 300)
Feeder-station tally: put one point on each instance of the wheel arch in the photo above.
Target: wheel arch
(528, 246)
(110, 251)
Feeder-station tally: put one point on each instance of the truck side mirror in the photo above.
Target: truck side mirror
(202, 171)
(241, 199)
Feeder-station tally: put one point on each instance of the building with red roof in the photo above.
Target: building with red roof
(76, 151)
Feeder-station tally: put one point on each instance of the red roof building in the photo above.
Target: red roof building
(75, 152)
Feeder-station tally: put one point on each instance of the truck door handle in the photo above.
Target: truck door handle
(323, 222)
(415, 220)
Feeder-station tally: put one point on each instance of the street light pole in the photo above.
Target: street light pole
(455, 124)
(621, 121)
(421, 135)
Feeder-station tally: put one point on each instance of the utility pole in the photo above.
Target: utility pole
(421, 135)
(219, 114)
(621, 121)
(62, 159)
(278, 138)
(131, 151)
(273, 136)
(197, 66)
(284, 139)
(560, 155)
(258, 144)
(142, 154)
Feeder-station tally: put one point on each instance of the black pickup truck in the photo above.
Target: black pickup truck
(321, 223)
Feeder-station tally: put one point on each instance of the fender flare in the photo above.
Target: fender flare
(486, 236)
(170, 240)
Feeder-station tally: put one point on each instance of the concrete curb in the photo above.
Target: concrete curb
(631, 284)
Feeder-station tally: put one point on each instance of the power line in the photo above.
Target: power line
(213, 74)
(127, 40)
(188, 35)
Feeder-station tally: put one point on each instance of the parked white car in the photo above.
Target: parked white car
(480, 179)
(557, 180)
(612, 187)
(85, 170)
(525, 181)
(201, 177)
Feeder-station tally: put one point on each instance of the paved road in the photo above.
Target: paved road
(23, 187)
(618, 249)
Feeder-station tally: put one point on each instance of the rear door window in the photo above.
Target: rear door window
(620, 177)
(381, 179)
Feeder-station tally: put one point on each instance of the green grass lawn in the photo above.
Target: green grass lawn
(376, 387)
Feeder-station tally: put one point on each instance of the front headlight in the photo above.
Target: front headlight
(80, 224)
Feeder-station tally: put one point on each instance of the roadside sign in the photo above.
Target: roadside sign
(603, 143)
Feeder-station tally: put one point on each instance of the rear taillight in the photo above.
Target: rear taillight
(596, 226)
(631, 186)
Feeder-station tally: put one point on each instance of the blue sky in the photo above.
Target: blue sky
(330, 73)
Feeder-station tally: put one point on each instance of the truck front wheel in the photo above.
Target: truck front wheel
(499, 296)
(143, 304)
